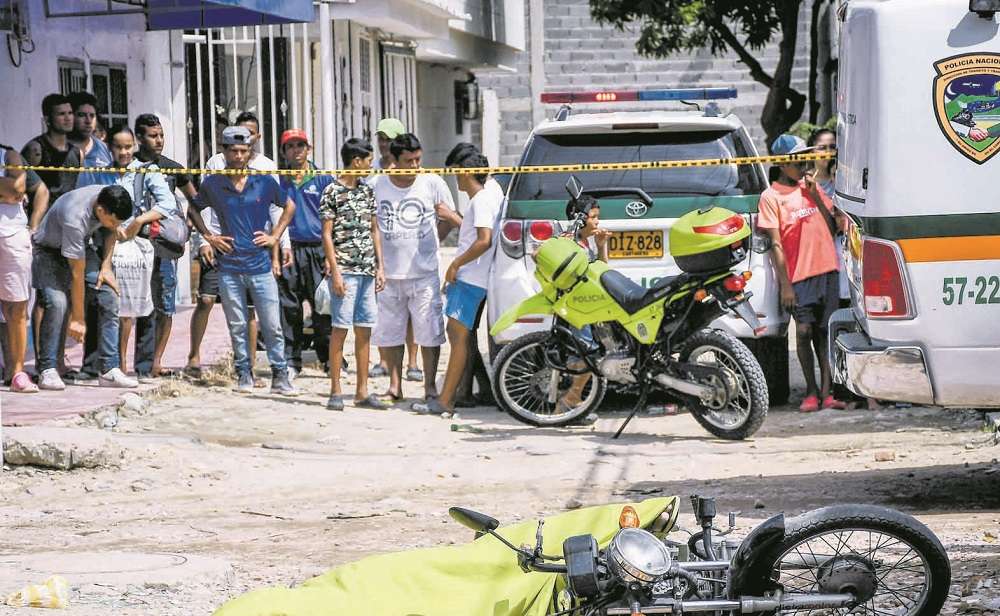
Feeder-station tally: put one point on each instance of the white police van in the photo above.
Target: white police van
(919, 134)
(639, 207)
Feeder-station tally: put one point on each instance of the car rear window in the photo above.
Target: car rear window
(616, 147)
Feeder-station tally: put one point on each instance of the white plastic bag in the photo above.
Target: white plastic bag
(132, 263)
(322, 296)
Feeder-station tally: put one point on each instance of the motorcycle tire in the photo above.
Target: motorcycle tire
(736, 357)
(902, 539)
(519, 376)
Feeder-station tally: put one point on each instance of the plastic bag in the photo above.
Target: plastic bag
(322, 296)
(53, 593)
(133, 266)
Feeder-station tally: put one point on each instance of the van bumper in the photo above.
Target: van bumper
(874, 369)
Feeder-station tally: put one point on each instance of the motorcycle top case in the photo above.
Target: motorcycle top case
(481, 577)
(709, 240)
(562, 262)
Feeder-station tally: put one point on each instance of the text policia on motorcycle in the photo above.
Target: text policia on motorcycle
(645, 256)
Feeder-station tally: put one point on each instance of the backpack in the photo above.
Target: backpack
(168, 235)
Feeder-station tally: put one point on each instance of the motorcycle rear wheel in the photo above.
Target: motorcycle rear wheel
(745, 410)
(890, 557)
(521, 380)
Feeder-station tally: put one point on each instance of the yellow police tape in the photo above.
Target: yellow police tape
(629, 166)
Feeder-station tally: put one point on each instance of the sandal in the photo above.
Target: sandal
(167, 373)
(414, 374)
(809, 405)
(390, 397)
(371, 402)
(22, 384)
(830, 402)
(193, 372)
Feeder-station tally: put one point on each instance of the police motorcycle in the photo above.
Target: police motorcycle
(608, 326)
(620, 560)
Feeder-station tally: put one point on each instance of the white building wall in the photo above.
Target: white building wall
(152, 61)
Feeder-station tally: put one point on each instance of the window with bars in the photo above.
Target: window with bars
(110, 87)
(365, 66)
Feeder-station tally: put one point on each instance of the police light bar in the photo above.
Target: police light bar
(621, 96)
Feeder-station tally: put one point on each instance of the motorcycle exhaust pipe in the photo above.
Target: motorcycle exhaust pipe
(746, 605)
(672, 382)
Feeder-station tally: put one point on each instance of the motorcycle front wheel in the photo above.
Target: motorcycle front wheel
(523, 382)
(889, 560)
(739, 414)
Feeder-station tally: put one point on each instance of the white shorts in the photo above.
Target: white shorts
(418, 301)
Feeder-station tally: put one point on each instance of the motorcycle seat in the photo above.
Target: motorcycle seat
(631, 296)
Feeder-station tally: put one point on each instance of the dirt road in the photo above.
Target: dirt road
(218, 494)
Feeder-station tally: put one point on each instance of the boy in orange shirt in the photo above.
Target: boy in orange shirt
(801, 221)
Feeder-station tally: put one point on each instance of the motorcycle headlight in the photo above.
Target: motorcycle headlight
(638, 556)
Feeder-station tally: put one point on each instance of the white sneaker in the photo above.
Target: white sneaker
(116, 378)
(50, 381)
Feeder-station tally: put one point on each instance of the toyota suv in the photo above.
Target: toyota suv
(638, 207)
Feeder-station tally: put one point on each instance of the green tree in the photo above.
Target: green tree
(743, 26)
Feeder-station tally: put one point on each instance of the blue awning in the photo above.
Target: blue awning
(190, 14)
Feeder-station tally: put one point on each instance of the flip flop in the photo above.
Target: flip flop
(167, 373)
(22, 384)
(193, 372)
(390, 396)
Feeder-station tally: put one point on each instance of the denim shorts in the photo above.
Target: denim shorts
(164, 286)
(357, 308)
(462, 301)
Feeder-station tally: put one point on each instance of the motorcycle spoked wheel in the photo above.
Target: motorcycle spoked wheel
(886, 557)
(739, 413)
(522, 379)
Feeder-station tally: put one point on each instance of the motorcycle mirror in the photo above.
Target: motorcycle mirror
(473, 520)
(574, 187)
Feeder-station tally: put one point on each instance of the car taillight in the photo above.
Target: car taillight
(730, 225)
(734, 284)
(882, 281)
(512, 238)
(540, 230)
(512, 230)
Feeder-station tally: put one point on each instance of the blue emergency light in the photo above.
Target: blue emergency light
(620, 96)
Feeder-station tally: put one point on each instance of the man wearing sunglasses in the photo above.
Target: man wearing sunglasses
(802, 223)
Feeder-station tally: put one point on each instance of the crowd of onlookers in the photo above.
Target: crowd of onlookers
(92, 256)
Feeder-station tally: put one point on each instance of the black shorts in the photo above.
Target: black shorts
(208, 284)
(816, 299)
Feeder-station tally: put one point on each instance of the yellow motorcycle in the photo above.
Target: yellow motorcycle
(606, 325)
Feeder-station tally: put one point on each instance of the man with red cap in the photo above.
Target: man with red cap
(298, 281)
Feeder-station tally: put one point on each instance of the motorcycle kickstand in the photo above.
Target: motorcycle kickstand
(641, 404)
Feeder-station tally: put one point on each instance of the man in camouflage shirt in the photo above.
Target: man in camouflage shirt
(353, 250)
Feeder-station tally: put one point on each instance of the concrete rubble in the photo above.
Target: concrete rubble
(59, 448)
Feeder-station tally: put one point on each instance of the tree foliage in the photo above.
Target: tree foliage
(743, 26)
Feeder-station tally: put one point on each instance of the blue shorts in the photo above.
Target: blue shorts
(164, 286)
(357, 308)
(462, 302)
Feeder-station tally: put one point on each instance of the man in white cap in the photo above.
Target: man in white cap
(242, 204)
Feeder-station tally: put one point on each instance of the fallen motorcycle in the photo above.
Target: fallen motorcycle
(617, 560)
(606, 325)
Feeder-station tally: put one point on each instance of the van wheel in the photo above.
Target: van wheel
(772, 354)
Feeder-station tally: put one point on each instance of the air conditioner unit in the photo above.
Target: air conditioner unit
(14, 18)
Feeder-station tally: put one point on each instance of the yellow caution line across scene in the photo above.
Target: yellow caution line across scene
(583, 167)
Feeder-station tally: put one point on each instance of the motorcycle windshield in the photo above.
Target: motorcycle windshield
(481, 577)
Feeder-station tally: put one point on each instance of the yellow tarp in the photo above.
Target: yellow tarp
(478, 578)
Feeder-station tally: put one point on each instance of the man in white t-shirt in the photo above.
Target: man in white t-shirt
(413, 215)
(468, 274)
